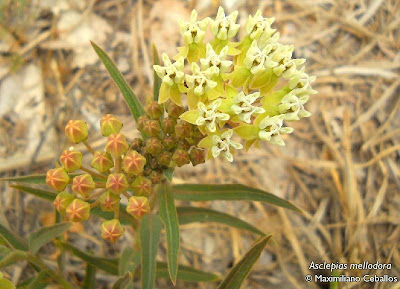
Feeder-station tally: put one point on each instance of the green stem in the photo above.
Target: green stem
(90, 149)
(93, 173)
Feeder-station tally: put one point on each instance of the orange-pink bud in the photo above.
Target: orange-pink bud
(117, 183)
(154, 110)
(102, 161)
(153, 146)
(133, 162)
(71, 160)
(138, 206)
(83, 185)
(78, 211)
(109, 202)
(109, 124)
(141, 186)
(112, 230)
(117, 144)
(76, 131)
(57, 178)
(181, 157)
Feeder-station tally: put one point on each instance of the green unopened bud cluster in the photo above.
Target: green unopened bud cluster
(231, 85)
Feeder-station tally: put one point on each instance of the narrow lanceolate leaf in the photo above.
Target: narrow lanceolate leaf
(128, 261)
(13, 257)
(229, 192)
(39, 281)
(45, 235)
(186, 273)
(12, 238)
(90, 277)
(108, 265)
(150, 231)
(189, 215)
(124, 217)
(239, 272)
(123, 282)
(36, 179)
(134, 103)
(169, 218)
(157, 80)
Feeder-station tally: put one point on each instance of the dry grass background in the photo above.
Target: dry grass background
(341, 166)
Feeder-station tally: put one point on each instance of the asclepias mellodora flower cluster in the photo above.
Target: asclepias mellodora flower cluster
(229, 89)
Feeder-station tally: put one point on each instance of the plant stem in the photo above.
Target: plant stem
(118, 162)
(100, 184)
(93, 173)
(126, 194)
(116, 212)
(95, 204)
(90, 149)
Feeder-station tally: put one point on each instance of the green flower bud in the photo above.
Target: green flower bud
(62, 201)
(57, 178)
(112, 230)
(174, 110)
(141, 186)
(109, 202)
(78, 211)
(109, 124)
(133, 162)
(169, 125)
(169, 142)
(181, 157)
(164, 158)
(136, 144)
(117, 144)
(152, 128)
(71, 160)
(142, 120)
(154, 110)
(102, 161)
(155, 177)
(76, 131)
(138, 206)
(83, 185)
(183, 129)
(117, 183)
(183, 144)
(197, 156)
(154, 146)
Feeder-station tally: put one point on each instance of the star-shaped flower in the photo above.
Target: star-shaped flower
(193, 31)
(224, 27)
(258, 60)
(170, 73)
(200, 81)
(271, 129)
(208, 116)
(243, 106)
(292, 106)
(215, 64)
(223, 144)
(259, 27)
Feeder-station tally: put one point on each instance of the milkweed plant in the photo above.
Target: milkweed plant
(210, 100)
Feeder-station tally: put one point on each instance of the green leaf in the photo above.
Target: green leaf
(5, 283)
(13, 239)
(169, 174)
(37, 179)
(157, 80)
(189, 215)
(37, 282)
(13, 257)
(123, 282)
(128, 261)
(150, 231)
(239, 272)
(169, 218)
(134, 104)
(45, 235)
(125, 218)
(186, 273)
(90, 277)
(108, 265)
(228, 192)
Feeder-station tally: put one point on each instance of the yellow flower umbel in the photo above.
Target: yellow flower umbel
(229, 89)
